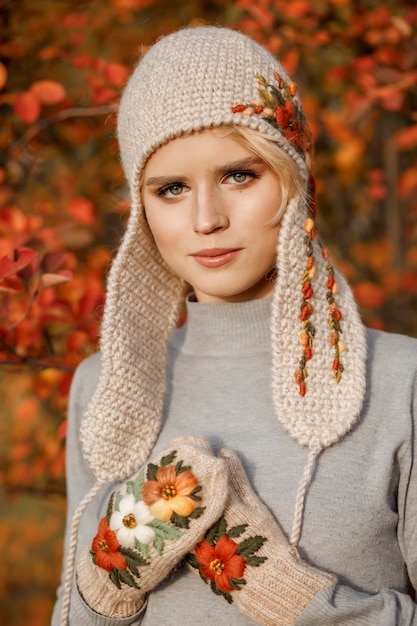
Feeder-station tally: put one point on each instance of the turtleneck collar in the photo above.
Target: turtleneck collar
(214, 328)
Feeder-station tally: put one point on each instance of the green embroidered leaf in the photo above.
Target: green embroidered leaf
(192, 560)
(165, 529)
(118, 497)
(127, 578)
(114, 577)
(168, 459)
(203, 577)
(237, 583)
(194, 494)
(236, 531)
(151, 471)
(110, 507)
(249, 546)
(255, 561)
(266, 98)
(218, 592)
(215, 589)
(142, 548)
(277, 95)
(138, 485)
(198, 512)
(133, 557)
(179, 468)
(261, 80)
(179, 520)
(93, 556)
(158, 544)
(218, 530)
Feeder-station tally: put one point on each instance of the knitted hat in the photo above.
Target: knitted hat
(192, 80)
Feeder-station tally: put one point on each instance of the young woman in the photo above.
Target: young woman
(255, 465)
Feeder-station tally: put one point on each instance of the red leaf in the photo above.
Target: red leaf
(48, 91)
(27, 107)
(52, 261)
(25, 256)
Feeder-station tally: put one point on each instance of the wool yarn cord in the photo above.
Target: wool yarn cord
(301, 496)
(72, 546)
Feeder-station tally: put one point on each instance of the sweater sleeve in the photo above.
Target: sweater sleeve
(80, 479)
(341, 604)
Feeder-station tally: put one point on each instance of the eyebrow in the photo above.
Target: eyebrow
(230, 167)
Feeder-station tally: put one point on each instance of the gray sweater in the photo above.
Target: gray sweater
(360, 519)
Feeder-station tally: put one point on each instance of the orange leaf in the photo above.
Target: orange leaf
(62, 431)
(27, 107)
(369, 295)
(27, 409)
(407, 138)
(3, 75)
(81, 210)
(48, 91)
(116, 73)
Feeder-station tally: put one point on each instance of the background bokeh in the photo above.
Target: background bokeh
(63, 205)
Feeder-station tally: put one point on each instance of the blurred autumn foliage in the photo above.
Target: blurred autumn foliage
(63, 203)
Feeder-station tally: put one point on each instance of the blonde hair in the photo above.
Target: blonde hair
(281, 164)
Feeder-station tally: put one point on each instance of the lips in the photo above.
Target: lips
(215, 257)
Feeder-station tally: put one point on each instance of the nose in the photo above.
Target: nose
(210, 214)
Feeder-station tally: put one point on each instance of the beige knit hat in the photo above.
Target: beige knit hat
(191, 80)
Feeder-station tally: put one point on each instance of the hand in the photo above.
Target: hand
(151, 523)
(246, 558)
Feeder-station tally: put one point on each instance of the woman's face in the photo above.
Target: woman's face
(209, 203)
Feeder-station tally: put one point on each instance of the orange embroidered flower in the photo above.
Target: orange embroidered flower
(286, 117)
(220, 563)
(170, 493)
(106, 548)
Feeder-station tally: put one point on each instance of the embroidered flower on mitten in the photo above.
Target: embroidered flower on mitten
(154, 509)
(222, 561)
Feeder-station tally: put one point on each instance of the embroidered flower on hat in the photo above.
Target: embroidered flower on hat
(222, 562)
(277, 105)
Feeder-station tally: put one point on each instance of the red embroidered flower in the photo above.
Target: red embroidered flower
(220, 563)
(106, 548)
(286, 117)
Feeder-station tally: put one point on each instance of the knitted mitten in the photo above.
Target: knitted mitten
(246, 558)
(151, 523)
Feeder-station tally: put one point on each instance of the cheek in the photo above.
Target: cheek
(166, 234)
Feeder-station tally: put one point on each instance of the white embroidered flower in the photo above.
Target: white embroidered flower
(129, 522)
